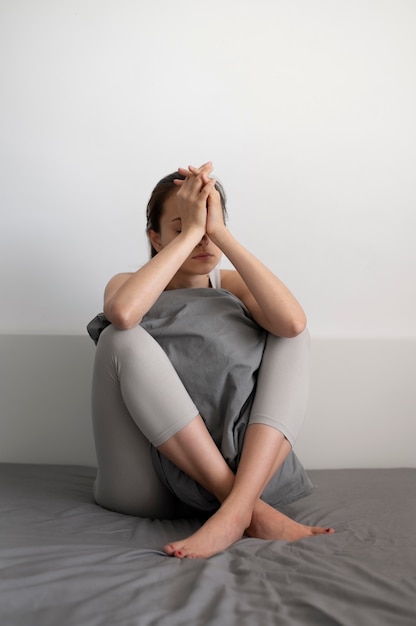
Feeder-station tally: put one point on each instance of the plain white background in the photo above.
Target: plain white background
(306, 107)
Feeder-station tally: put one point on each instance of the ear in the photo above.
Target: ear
(154, 238)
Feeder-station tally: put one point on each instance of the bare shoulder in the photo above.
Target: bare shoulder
(232, 281)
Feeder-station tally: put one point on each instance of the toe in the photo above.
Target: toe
(180, 554)
(322, 531)
(170, 549)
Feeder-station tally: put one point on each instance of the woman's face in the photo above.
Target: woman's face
(205, 256)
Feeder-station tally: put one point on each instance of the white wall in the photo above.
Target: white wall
(307, 109)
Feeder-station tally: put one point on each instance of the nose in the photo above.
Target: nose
(204, 240)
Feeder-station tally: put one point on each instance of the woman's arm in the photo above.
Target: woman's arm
(128, 297)
(269, 301)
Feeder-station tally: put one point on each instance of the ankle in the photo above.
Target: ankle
(238, 510)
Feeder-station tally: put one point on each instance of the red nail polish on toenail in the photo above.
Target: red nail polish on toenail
(179, 553)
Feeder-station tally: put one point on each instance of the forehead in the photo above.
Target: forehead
(170, 206)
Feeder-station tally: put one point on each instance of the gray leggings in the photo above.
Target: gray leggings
(138, 400)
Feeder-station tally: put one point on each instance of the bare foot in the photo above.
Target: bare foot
(267, 523)
(218, 533)
(227, 526)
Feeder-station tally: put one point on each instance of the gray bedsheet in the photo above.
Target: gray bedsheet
(64, 561)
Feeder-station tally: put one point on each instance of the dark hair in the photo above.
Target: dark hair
(160, 194)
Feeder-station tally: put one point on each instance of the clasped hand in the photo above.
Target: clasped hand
(199, 203)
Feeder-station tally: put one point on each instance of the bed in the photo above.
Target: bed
(64, 561)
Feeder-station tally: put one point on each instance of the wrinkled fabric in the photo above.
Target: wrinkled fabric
(66, 561)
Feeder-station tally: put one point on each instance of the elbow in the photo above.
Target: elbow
(122, 319)
(296, 327)
(289, 330)
(124, 324)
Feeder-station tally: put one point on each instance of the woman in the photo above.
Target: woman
(140, 397)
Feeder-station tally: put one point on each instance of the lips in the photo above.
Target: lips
(203, 257)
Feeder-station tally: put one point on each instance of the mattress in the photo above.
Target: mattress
(64, 561)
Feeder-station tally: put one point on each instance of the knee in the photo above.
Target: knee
(301, 340)
(117, 340)
(129, 347)
(304, 337)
